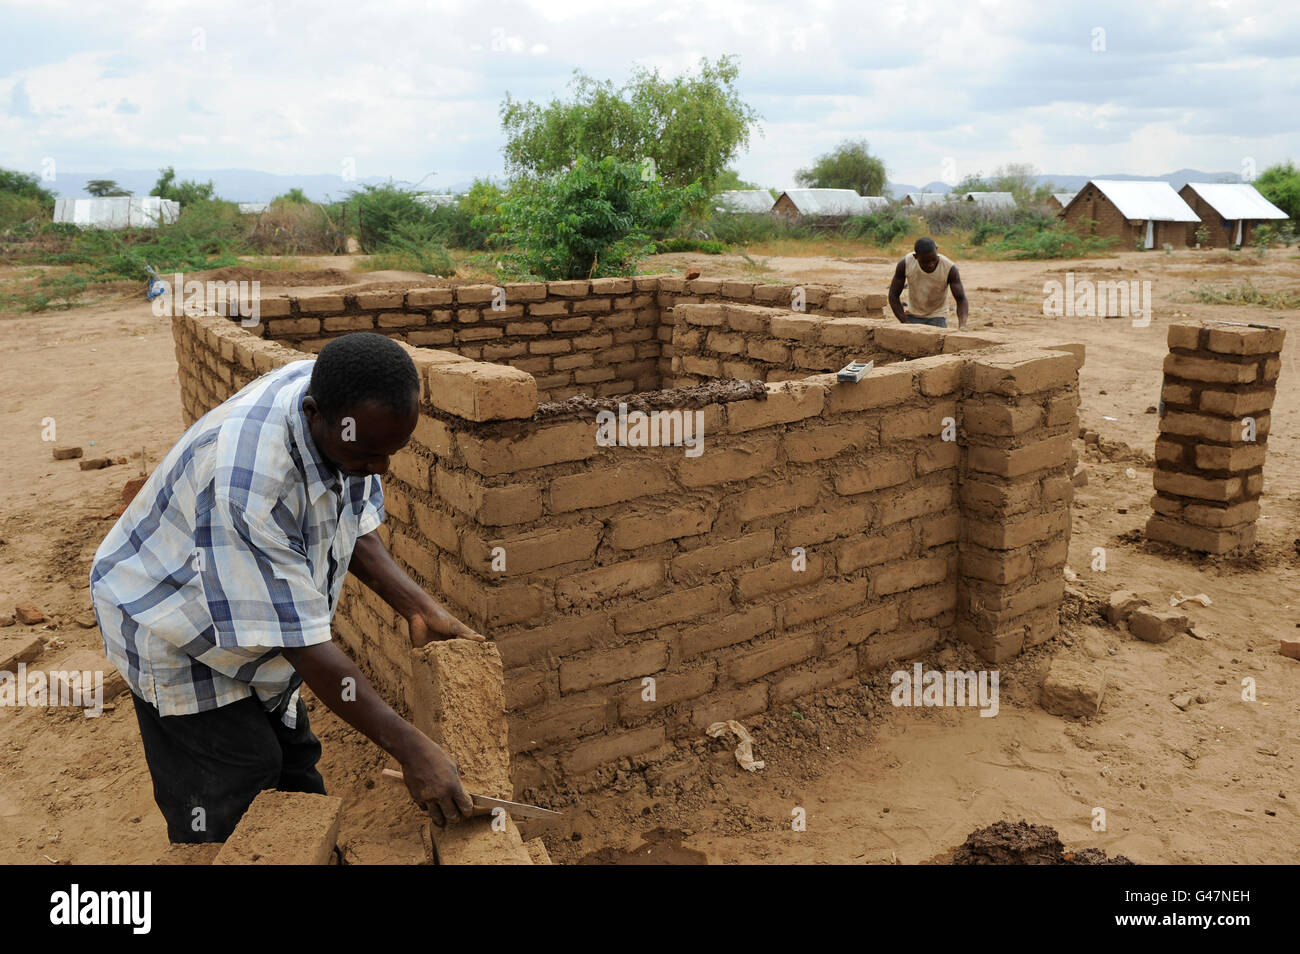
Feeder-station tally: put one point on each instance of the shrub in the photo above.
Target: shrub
(594, 219)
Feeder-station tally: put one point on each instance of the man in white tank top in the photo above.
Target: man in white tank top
(928, 276)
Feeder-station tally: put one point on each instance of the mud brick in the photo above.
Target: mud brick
(1180, 394)
(490, 456)
(441, 336)
(1205, 428)
(1234, 404)
(784, 403)
(873, 474)
(927, 422)
(940, 455)
(594, 375)
(759, 502)
(779, 293)
(319, 305)
(551, 309)
(957, 341)
(1062, 409)
(285, 327)
(674, 608)
(735, 463)
(478, 334)
(907, 644)
(1008, 534)
(914, 341)
(1203, 539)
(19, 648)
(1169, 452)
(704, 315)
(822, 441)
(1000, 420)
(1190, 485)
(1184, 336)
(703, 286)
(723, 556)
(1247, 457)
(577, 716)
(564, 637)
(767, 350)
(995, 566)
(376, 301)
(1155, 626)
(881, 387)
(847, 333)
(592, 306)
(1015, 373)
(720, 707)
(609, 582)
(769, 656)
(728, 631)
(1208, 369)
(1016, 462)
(858, 628)
(67, 453)
(428, 297)
(354, 322)
(568, 289)
(669, 689)
(1221, 517)
(458, 700)
(909, 575)
(939, 375)
(400, 319)
(610, 748)
(613, 665)
(410, 468)
(922, 605)
(871, 551)
(914, 503)
(525, 291)
(1245, 341)
(532, 551)
(278, 307)
(602, 488)
(526, 689)
(802, 328)
(1072, 689)
(284, 828)
(741, 291)
(824, 601)
(779, 576)
(635, 530)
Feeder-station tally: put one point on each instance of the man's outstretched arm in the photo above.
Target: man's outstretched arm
(430, 775)
(896, 291)
(374, 566)
(959, 295)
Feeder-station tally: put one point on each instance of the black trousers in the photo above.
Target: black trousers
(208, 767)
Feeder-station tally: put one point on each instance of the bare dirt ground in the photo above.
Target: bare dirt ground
(876, 783)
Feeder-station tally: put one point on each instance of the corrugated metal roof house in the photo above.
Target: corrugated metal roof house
(1229, 212)
(117, 212)
(1059, 200)
(992, 200)
(927, 198)
(1141, 213)
(826, 203)
(756, 201)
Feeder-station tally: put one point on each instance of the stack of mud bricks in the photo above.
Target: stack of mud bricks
(1218, 390)
(602, 337)
(824, 530)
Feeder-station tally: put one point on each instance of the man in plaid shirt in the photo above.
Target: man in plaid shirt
(215, 589)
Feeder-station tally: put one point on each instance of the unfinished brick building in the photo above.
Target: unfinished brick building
(639, 590)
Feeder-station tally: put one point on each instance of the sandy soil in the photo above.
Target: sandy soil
(876, 783)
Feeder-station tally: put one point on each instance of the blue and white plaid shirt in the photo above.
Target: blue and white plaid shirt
(234, 549)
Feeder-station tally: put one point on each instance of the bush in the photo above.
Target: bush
(382, 209)
(707, 246)
(881, 228)
(290, 227)
(594, 219)
(1031, 241)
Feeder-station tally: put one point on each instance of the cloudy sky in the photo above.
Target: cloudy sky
(409, 89)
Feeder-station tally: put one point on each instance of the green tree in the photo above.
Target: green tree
(100, 188)
(1018, 178)
(850, 165)
(292, 197)
(729, 179)
(186, 192)
(684, 129)
(24, 185)
(592, 220)
(1280, 184)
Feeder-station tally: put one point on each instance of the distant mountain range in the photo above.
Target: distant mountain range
(238, 185)
(249, 185)
(1075, 183)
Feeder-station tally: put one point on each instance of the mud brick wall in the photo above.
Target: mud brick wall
(1218, 390)
(602, 337)
(753, 342)
(824, 530)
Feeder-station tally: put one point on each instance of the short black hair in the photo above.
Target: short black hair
(924, 245)
(360, 367)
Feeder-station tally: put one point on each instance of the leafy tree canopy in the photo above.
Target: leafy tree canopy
(850, 165)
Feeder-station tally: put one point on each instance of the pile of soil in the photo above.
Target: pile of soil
(1020, 843)
(582, 406)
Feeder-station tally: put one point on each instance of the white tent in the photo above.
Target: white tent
(816, 202)
(117, 212)
(744, 200)
(253, 208)
(435, 200)
(1236, 200)
(992, 200)
(1146, 201)
(929, 198)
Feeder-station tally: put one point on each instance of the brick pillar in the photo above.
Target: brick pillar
(1018, 421)
(1218, 388)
